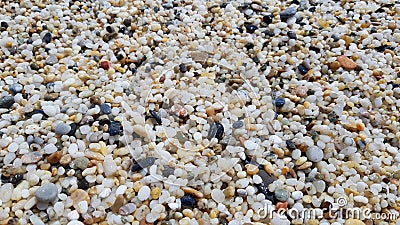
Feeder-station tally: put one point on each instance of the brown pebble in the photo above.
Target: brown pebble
(281, 205)
(65, 160)
(392, 25)
(119, 202)
(334, 66)
(106, 65)
(54, 157)
(95, 100)
(346, 63)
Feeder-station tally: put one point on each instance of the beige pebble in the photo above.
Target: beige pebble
(192, 191)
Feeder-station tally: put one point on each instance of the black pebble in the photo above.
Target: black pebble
(291, 35)
(290, 145)
(109, 29)
(127, 22)
(251, 28)
(30, 114)
(312, 9)
(268, 19)
(17, 179)
(143, 163)
(73, 129)
(155, 115)
(33, 66)
(302, 69)
(220, 131)
(6, 102)
(114, 128)
(182, 68)
(47, 37)
(83, 184)
(188, 201)
(4, 24)
(249, 45)
(120, 56)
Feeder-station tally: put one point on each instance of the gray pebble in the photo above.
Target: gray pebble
(281, 194)
(287, 13)
(47, 193)
(238, 124)
(16, 88)
(62, 128)
(51, 60)
(81, 163)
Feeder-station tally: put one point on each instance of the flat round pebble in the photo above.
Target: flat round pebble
(315, 154)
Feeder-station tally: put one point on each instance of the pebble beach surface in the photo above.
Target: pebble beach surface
(199, 112)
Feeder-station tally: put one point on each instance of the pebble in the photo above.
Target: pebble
(114, 128)
(55, 157)
(79, 195)
(238, 124)
(314, 154)
(143, 163)
(287, 13)
(188, 201)
(62, 128)
(106, 65)
(281, 194)
(51, 60)
(16, 88)
(105, 108)
(144, 193)
(6, 102)
(31, 157)
(217, 195)
(81, 163)
(268, 19)
(216, 130)
(47, 193)
(47, 37)
(279, 102)
(127, 209)
(346, 63)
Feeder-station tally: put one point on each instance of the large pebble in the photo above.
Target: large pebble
(217, 195)
(6, 191)
(47, 193)
(314, 154)
(31, 157)
(144, 193)
(346, 63)
(6, 102)
(62, 128)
